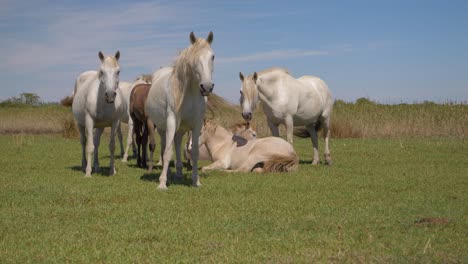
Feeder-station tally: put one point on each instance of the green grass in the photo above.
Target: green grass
(361, 209)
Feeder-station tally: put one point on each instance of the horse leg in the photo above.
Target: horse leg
(144, 146)
(217, 165)
(119, 136)
(326, 136)
(179, 164)
(195, 152)
(170, 133)
(82, 130)
(137, 132)
(273, 128)
(187, 150)
(129, 140)
(114, 127)
(288, 122)
(89, 144)
(162, 139)
(97, 141)
(152, 142)
(313, 135)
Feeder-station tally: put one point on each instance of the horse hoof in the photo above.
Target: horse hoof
(329, 162)
(88, 176)
(315, 162)
(162, 187)
(124, 160)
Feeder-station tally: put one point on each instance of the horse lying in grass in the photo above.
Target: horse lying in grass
(242, 130)
(143, 127)
(305, 101)
(271, 154)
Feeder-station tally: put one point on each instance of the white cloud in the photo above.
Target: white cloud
(275, 54)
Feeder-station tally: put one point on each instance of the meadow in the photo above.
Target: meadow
(390, 197)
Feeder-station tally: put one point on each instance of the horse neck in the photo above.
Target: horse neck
(184, 82)
(217, 142)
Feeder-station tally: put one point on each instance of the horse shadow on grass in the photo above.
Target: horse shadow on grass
(186, 179)
(103, 171)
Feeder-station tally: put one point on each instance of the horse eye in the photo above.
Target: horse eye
(212, 58)
(118, 72)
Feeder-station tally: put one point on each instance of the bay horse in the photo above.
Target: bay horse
(98, 103)
(270, 154)
(305, 101)
(176, 102)
(126, 89)
(143, 127)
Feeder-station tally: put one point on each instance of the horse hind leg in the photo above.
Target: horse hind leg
(120, 137)
(313, 134)
(152, 143)
(82, 130)
(89, 144)
(326, 136)
(179, 164)
(112, 170)
(144, 143)
(97, 141)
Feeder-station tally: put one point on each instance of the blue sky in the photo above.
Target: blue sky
(389, 51)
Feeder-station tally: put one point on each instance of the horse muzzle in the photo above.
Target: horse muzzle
(247, 116)
(206, 89)
(110, 99)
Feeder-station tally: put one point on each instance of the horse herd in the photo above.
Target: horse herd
(172, 102)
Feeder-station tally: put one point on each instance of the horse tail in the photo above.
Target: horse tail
(67, 101)
(282, 163)
(302, 132)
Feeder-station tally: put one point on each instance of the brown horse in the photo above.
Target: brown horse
(143, 127)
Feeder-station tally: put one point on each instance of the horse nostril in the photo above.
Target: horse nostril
(201, 86)
(115, 94)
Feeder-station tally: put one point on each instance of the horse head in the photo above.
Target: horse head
(202, 62)
(249, 95)
(109, 75)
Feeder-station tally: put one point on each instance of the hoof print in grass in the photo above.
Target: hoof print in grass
(431, 221)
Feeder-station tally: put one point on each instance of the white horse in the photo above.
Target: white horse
(305, 101)
(175, 102)
(235, 154)
(98, 103)
(239, 130)
(126, 89)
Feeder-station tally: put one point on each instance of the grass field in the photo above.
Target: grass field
(364, 208)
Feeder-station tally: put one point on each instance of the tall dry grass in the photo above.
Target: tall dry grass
(361, 119)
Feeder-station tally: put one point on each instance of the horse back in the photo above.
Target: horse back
(137, 101)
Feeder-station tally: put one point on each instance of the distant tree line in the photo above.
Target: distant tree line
(23, 99)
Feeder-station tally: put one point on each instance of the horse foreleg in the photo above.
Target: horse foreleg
(313, 136)
(170, 133)
(188, 150)
(289, 129)
(97, 141)
(89, 144)
(195, 153)
(114, 127)
(273, 128)
(152, 143)
(217, 165)
(82, 130)
(129, 140)
(119, 136)
(162, 139)
(326, 136)
(179, 164)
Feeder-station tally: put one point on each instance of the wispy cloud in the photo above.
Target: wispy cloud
(275, 54)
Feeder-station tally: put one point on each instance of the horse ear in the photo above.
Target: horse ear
(192, 38)
(210, 37)
(255, 76)
(101, 56)
(241, 76)
(117, 55)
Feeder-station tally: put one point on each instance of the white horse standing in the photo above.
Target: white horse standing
(175, 102)
(305, 101)
(98, 103)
